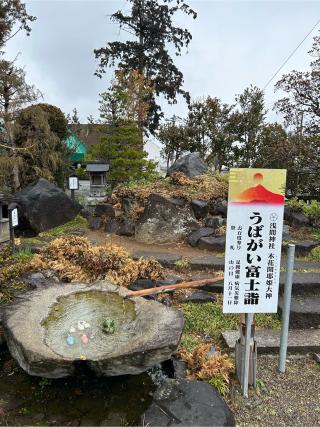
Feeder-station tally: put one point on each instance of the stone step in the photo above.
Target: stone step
(304, 311)
(302, 283)
(209, 262)
(268, 341)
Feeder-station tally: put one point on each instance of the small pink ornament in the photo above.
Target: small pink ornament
(84, 339)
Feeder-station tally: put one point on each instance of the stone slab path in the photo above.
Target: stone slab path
(300, 341)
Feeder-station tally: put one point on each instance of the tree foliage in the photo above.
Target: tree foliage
(175, 137)
(13, 18)
(120, 148)
(247, 122)
(38, 149)
(301, 105)
(15, 92)
(152, 25)
(120, 144)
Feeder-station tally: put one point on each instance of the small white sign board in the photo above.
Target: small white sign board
(73, 183)
(14, 217)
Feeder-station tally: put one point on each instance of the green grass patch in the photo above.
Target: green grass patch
(210, 320)
(190, 342)
(77, 223)
(23, 255)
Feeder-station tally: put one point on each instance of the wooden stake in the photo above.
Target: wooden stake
(168, 288)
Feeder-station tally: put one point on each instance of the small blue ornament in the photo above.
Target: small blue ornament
(70, 340)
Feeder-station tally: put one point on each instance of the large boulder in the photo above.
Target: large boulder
(191, 165)
(180, 402)
(54, 330)
(42, 206)
(165, 220)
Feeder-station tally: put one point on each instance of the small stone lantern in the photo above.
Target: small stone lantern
(97, 172)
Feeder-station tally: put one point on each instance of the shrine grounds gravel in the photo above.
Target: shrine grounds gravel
(289, 399)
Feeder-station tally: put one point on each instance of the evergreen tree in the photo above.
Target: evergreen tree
(120, 148)
(120, 144)
(151, 24)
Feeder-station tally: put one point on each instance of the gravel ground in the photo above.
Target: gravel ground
(290, 399)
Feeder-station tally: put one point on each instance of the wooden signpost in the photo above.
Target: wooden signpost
(14, 222)
(73, 184)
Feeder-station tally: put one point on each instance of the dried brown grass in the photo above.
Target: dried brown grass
(204, 187)
(76, 259)
(204, 367)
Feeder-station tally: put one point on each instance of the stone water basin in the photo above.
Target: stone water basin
(37, 330)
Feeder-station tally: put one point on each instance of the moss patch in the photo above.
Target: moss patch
(78, 223)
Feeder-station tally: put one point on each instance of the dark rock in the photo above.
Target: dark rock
(200, 208)
(127, 228)
(165, 221)
(218, 207)
(194, 237)
(170, 279)
(304, 248)
(214, 222)
(95, 223)
(36, 336)
(200, 297)
(295, 217)
(180, 402)
(214, 243)
(191, 165)
(112, 225)
(43, 206)
(86, 213)
(179, 368)
(35, 280)
(207, 262)
(165, 259)
(140, 284)
(105, 209)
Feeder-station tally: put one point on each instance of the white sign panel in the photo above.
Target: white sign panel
(73, 183)
(14, 217)
(254, 238)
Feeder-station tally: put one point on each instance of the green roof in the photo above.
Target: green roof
(78, 148)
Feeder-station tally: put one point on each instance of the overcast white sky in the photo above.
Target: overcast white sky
(235, 44)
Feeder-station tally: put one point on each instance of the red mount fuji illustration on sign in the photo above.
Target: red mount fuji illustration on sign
(258, 194)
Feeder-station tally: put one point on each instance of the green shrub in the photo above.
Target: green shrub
(311, 210)
(315, 254)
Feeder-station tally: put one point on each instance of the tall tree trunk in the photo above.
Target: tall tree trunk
(141, 72)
